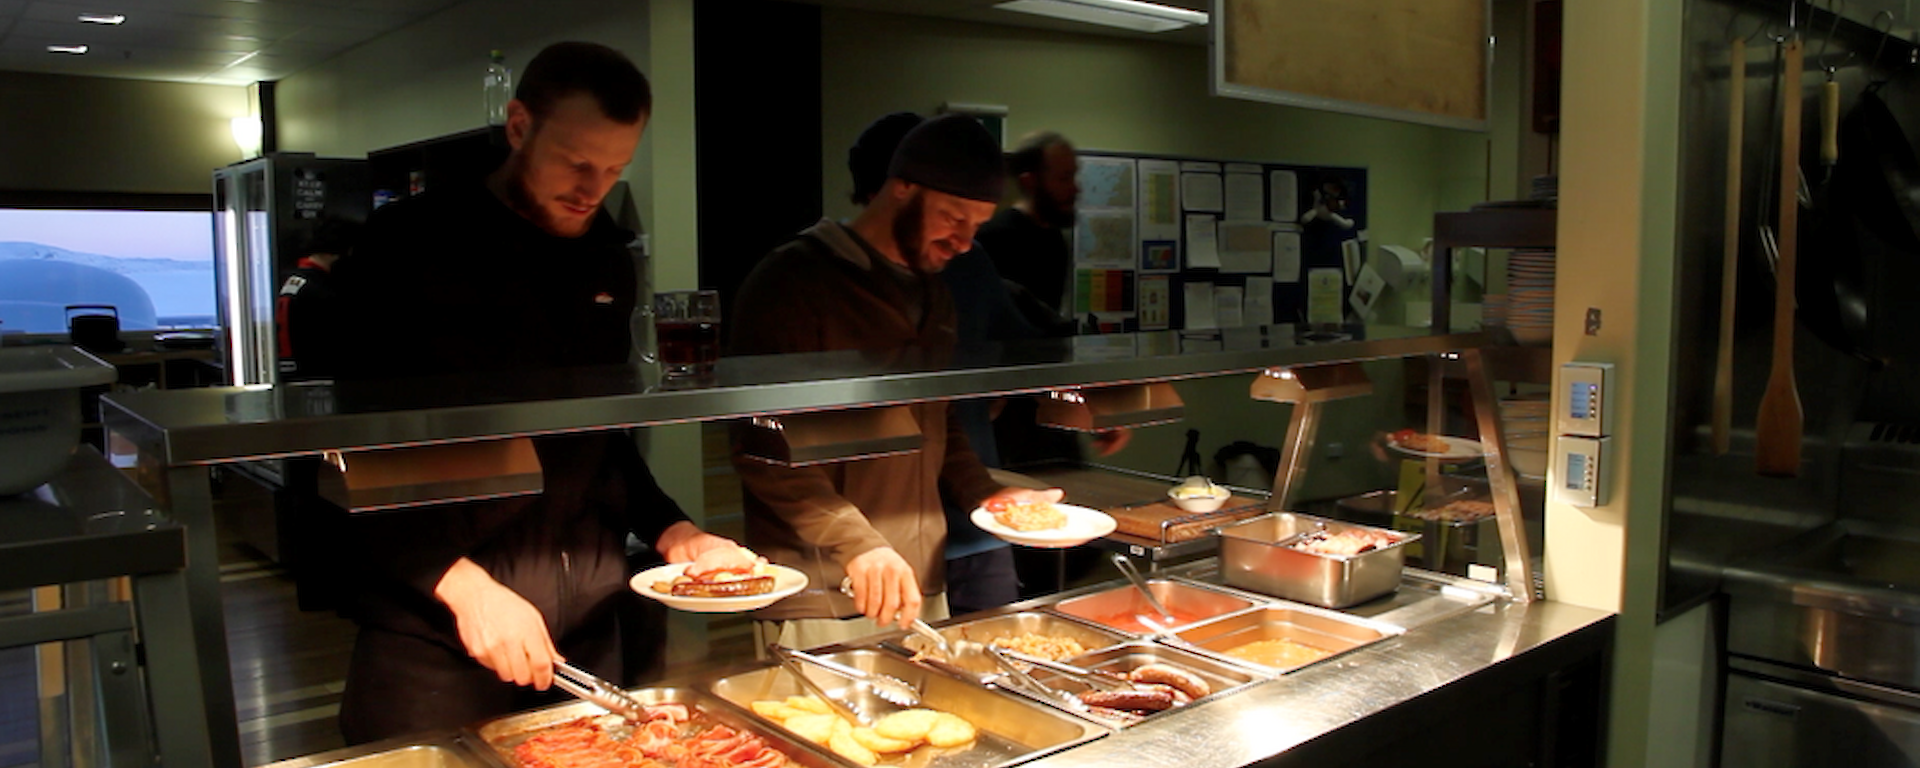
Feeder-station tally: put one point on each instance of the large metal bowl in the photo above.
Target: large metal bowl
(1254, 555)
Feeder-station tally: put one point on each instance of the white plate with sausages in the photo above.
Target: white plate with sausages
(1083, 525)
(786, 582)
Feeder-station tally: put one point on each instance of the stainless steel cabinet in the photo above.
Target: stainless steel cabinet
(1775, 722)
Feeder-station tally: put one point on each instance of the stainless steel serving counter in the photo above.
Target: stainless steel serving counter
(1459, 631)
(178, 434)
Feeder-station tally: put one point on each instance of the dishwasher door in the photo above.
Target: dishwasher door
(1773, 723)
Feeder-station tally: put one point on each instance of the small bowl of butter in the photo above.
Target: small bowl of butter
(1198, 494)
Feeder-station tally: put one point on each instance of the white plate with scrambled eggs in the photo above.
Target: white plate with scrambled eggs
(1045, 525)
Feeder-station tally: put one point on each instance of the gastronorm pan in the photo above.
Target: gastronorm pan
(1255, 555)
(1012, 728)
(1012, 625)
(504, 733)
(1324, 631)
(1124, 609)
(1222, 678)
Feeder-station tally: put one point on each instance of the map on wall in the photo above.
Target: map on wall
(1106, 182)
(1104, 239)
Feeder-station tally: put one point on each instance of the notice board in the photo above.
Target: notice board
(1164, 242)
(1422, 61)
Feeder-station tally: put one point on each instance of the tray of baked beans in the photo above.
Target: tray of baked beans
(955, 724)
(678, 728)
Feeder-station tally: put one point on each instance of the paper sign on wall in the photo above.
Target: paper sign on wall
(1259, 300)
(1283, 196)
(1246, 247)
(1156, 302)
(1286, 256)
(1324, 286)
(1201, 192)
(1199, 306)
(1366, 291)
(1202, 247)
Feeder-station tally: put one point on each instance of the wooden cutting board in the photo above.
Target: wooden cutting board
(1165, 523)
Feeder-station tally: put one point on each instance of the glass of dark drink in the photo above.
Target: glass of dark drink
(687, 325)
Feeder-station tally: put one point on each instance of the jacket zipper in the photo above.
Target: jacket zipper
(566, 586)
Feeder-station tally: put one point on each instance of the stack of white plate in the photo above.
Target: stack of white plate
(1530, 296)
(1526, 426)
(1493, 310)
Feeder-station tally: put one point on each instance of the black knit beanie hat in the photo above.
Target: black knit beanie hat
(954, 154)
(871, 155)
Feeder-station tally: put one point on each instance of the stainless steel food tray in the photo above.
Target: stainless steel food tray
(504, 733)
(1254, 555)
(1320, 629)
(1091, 637)
(1186, 601)
(1012, 728)
(1223, 677)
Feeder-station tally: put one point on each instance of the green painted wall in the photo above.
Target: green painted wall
(1135, 96)
(93, 134)
(423, 80)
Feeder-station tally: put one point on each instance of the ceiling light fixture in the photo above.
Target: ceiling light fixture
(1125, 14)
(103, 18)
(73, 49)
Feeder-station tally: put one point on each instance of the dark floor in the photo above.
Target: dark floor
(288, 665)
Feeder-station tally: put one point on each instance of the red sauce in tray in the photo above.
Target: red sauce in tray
(1146, 621)
(663, 742)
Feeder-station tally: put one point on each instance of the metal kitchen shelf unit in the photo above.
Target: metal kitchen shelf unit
(233, 424)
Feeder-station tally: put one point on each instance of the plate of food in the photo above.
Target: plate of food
(1047, 525)
(719, 581)
(1427, 446)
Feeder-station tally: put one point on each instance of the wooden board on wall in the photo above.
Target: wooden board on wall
(1420, 60)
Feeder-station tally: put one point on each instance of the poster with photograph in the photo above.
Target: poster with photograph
(1156, 302)
(1159, 256)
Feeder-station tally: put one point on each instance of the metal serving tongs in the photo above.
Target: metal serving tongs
(1021, 679)
(1081, 675)
(591, 688)
(893, 689)
(791, 662)
(1139, 583)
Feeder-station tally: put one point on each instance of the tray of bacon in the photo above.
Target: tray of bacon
(684, 729)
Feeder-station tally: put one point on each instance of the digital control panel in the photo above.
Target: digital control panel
(1578, 463)
(1585, 390)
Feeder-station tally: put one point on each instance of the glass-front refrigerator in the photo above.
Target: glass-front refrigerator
(266, 213)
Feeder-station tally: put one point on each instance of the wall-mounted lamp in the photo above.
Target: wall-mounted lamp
(247, 133)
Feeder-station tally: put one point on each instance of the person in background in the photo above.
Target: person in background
(1028, 240)
(307, 314)
(980, 572)
(465, 608)
(871, 284)
(1028, 243)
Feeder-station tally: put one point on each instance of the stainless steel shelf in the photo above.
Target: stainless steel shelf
(233, 424)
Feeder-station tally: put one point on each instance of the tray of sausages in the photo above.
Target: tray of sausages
(1163, 679)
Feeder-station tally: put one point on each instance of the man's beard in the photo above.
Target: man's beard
(1051, 210)
(522, 201)
(908, 224)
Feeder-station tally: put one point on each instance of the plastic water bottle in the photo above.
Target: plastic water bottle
(499, 89)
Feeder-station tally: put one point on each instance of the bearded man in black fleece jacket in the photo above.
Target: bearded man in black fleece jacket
(464, 609)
